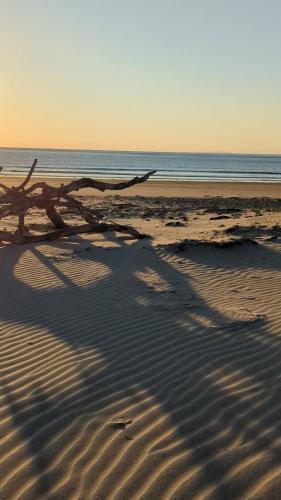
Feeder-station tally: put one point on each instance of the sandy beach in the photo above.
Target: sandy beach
(146, 369)
(180, 189)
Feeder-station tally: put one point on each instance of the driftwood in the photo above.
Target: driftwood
(17, 201)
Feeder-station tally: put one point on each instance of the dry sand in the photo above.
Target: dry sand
(151, 369)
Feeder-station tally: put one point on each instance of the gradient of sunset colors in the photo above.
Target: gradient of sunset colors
(154, 75)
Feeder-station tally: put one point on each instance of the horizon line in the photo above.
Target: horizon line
(140, 151)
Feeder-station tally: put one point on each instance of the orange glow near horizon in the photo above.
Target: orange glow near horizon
(35, 130)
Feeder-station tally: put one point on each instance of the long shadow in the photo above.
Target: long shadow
(160, 345)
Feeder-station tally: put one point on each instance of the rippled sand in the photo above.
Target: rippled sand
(142, 370)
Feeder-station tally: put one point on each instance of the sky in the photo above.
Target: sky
(146, 75)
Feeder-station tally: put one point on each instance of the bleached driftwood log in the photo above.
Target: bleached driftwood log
(17, 201)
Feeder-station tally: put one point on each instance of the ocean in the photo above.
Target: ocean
(122, 165)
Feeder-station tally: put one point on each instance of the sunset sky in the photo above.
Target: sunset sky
(155, 75)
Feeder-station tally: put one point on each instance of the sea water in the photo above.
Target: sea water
(123, 164)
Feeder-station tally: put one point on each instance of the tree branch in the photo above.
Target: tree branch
(28, 177)
(88, 183)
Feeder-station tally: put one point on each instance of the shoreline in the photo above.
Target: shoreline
(179, 189)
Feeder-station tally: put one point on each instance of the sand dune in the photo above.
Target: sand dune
(131, 372)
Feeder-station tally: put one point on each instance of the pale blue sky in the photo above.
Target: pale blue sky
(180, 75)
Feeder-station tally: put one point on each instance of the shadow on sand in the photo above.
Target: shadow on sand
(203, 392)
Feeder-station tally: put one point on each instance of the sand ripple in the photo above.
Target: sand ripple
(140, 373)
